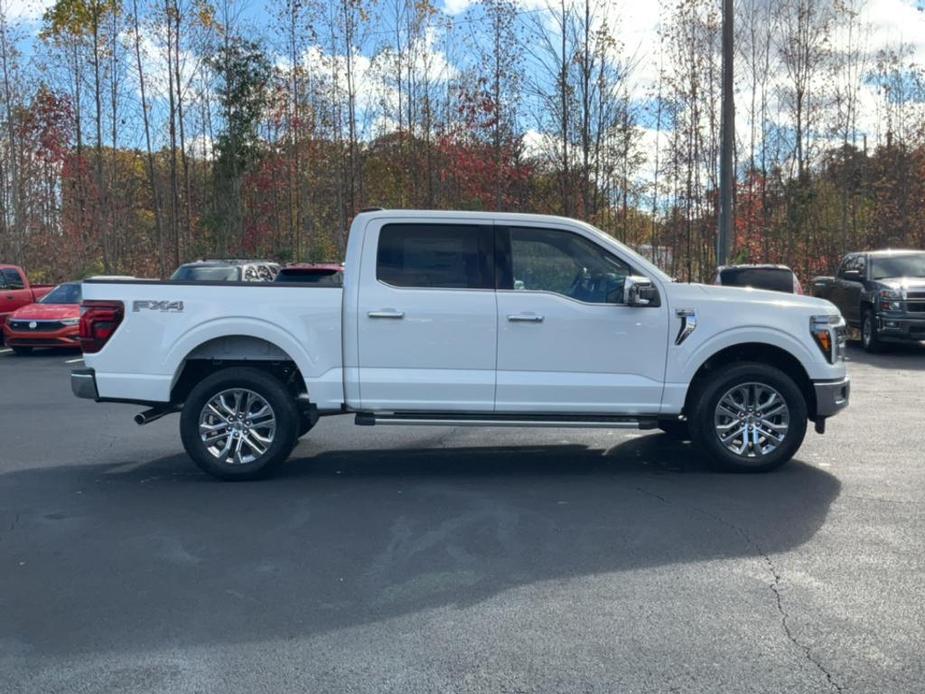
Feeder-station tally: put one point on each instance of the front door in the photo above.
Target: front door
(427, 318)
(13, 293)
(567, 343)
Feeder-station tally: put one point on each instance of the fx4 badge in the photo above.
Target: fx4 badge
(163, 306)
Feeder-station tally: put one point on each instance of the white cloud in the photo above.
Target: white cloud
(535, 143)
(895, 21)
(24, 10)
(455, 7)
(654, 147)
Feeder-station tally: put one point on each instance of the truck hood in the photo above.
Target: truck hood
(46, 312)
(914, 283)
(747, 295)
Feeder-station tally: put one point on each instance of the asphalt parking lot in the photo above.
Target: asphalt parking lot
(459, 560)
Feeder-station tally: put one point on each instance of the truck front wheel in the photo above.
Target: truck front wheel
(749, 417)
(239, 423)
(869, 338)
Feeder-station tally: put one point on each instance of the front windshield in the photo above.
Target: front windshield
(63, 294)
(206, 273)
(641, 259)
(909, 265)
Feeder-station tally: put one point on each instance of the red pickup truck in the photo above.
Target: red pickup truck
(16, 291)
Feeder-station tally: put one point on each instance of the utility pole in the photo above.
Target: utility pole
(726, 173)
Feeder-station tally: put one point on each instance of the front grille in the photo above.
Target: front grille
(915, 305)
(916, 296)
(40, 325)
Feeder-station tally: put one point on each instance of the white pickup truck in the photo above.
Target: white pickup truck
(465, 318)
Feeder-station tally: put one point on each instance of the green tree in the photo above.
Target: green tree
(244, 71)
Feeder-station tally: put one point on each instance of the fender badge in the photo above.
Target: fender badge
(162, 306)
(688, 318)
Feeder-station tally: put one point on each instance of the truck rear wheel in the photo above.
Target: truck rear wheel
(239, 423)
(749, 417)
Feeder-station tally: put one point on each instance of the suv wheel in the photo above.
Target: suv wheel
(239, 423)
(750, 417)
(869, 338)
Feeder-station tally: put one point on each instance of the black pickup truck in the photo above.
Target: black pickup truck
(880, 292)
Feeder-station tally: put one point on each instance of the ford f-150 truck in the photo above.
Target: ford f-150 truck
(882, 293)
(465, 318)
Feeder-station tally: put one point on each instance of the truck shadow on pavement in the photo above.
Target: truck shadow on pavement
(123, 558)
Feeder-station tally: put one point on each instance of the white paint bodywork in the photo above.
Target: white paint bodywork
(454, 350)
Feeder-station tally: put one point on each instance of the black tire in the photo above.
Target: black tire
(676, 428)
(282, 408)
(870, 341)
(22, 351)
(704, 408)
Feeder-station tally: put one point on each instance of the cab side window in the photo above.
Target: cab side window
(565, 263)
(435, 256)
(852, 262)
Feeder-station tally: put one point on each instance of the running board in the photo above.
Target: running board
(459, 419)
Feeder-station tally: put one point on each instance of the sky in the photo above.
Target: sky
(637, 25)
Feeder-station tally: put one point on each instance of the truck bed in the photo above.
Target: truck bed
(171, 322)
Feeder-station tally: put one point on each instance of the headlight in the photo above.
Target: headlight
(829, 334)
(890, 300)
(70, 321)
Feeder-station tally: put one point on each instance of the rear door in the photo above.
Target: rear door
(427, 317)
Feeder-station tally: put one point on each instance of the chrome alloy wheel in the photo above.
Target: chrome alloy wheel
(237, 426)
(751, 420)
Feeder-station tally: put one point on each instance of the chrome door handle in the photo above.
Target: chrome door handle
(386, 313)
(525, 318)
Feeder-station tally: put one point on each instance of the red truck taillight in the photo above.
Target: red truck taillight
(98, 321)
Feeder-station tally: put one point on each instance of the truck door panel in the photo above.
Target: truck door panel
(427, 318)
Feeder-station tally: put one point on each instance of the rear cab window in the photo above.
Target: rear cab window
(436, 256)
(772, 279)
(206, 273)
(11, 279)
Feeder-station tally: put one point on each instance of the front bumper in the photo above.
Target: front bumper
(832, 396)
(64, 337)
(83, 384)
(900, 328)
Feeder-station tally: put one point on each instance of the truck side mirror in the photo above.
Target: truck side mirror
(852, 275)
(639, 291)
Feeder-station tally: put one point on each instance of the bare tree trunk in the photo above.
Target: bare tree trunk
(152, 180)
(169, 9)
(187, 192)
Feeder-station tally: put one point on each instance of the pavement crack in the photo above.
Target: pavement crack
(646, 492)
(775, 585)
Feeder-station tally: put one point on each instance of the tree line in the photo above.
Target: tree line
(139, 134)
